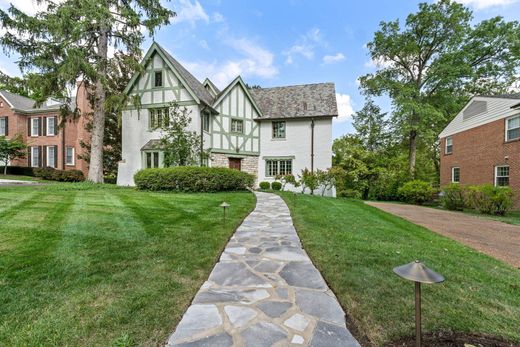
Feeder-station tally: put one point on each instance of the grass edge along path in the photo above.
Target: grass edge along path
(356, 246)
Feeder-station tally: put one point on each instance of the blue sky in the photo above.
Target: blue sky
(273, 43)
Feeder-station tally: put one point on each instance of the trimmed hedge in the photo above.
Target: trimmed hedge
(51, 174)
(264, 185)
(18, 170)
(193, 179)
(416, 192)
(276, 185)
(488, 199)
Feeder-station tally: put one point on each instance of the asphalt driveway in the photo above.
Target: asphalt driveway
(496, 239)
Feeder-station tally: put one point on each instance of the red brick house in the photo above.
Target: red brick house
(482, 144)
(50, 143)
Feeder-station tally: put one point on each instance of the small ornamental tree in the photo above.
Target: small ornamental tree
(181, 147)
(11, 149)
(288, 179)
(309, 180)
(326, 180)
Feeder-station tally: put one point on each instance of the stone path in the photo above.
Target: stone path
(6, 182)
(264, 291)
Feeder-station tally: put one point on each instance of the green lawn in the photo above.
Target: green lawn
(511, 217)
(355, 246)
(18, 177)
(89, 265)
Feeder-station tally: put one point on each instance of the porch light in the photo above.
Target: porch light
(419, 273)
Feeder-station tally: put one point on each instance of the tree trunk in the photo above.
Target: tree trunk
(95, 172)
(412, 153)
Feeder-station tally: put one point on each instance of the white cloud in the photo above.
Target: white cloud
(345, 109)
(378, 63)
(189, 12)
(217, 17)
(304, 46)
(330, 59)
(482, 4)
(204, 44)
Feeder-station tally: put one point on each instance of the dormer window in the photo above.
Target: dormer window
(158, 80)
(513, 128)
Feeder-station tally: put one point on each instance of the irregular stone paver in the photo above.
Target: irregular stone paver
(264, 291)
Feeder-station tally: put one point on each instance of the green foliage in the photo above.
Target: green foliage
(11, 149)
(325, 179)
(45, 173)
(68, 176)
(489, 199)
(349, 193)
(416, 192)
(193, 179)
(276, 185)
(288, 179)
(371, 126)
(309, 180)
(265, 185)
(453, 197)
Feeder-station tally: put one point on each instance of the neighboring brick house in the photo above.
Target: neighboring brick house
(482, 144)
(50, 143)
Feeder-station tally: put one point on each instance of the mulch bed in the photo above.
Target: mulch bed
(450, 339)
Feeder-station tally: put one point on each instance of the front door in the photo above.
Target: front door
(235, 163)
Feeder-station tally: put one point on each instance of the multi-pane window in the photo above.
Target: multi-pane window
(35, 156)
(237, 126)
(151, 159)
(159, 118)
(69, 155)
(3, 126)
(449, 145)
(455, 174)
(279, 130)
(51, 156)
(205, 121)
(35, 126)
(158, 82)
(51, 126)
(276, 167)
(513, 128)
(502, 175)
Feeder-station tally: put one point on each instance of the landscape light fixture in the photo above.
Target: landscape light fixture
(224, 206)
(419, 273)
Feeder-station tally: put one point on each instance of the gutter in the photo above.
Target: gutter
(312, 145)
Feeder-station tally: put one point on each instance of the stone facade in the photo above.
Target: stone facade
(248, 163)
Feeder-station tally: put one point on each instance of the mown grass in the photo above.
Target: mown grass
(17, 177)
(93, 265)
(356, 246)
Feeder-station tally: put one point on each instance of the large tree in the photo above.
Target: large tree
(71, 40)
(431, 65)
(371, 126)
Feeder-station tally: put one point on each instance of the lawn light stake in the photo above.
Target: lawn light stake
(419, 273)
(224, 206)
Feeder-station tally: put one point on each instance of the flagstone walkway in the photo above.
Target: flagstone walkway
(264, 291)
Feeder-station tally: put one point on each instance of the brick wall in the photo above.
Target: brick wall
(477, 151)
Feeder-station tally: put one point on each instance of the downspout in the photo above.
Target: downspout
(63, 151)
(312, 145)
(202, 136)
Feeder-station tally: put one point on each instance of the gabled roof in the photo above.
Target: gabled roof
(300, 101)
(502, 96)
(27, 105)
(238, 80)
(195, 88)
(207, 83)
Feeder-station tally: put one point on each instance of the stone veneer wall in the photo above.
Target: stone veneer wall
(249, 163)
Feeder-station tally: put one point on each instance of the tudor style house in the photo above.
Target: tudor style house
(482, 144)
(50, 142)
(265, 132)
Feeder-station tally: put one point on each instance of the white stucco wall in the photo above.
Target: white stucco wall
(297, 143)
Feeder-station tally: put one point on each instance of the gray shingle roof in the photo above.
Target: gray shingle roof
(193, 83)
(23, 103)
(152, 144)
(503, 96)
(301, 101)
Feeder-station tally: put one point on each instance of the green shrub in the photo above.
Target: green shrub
(265, 185)
(276, 185)
(193, 179)
(68, 176)
(416, 192)
(45, 173)
(453, 197)
(349, 193)
(489, 199)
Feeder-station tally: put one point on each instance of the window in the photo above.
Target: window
(205, 122)
(51, 156)
(35, 126)
(278, 130)
(513, 128)
(51, 126)
(158, 79)
(455, 174)
(502, 176)
(449, 145)
(69, 156)
(35, 156)
(159, 118)
(276, 167)
(151, 159)
(3, 126)
(237, 126)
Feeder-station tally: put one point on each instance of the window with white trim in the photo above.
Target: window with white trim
(502, 176)
(3, 126)
(51, 156)
(279, 130)
(455, 174)
(51, 126)
(449, 145)
(69, 156)
(513, 128)
(35, 126)
(159, 118)
(275, 167)
(35, 156)
(237, 126)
